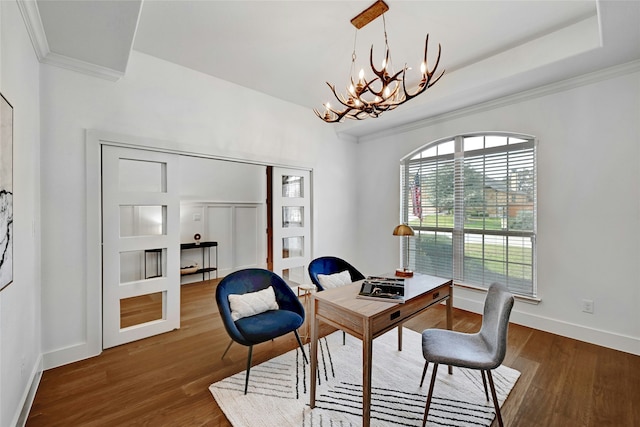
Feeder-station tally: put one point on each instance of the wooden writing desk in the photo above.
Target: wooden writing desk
(367, 319)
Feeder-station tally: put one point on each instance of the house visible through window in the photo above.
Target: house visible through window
(471, 200)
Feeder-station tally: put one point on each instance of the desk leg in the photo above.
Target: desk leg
(450, 317)
(314, 355)
(367, 353)
(400, 337)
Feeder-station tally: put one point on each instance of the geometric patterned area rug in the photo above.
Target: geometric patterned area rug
(278, 393)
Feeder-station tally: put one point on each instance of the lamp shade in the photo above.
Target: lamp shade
(403, 230)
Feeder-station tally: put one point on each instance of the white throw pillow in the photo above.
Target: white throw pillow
(329, 281)
(252, 303)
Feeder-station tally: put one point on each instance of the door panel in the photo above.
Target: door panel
(246, 224)
(291, 223)
(220, 227)
(141, 241)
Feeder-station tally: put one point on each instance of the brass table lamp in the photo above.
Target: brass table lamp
(404, 230)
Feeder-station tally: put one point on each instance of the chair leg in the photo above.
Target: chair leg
(246, 378)
(495, 399)
(424, 372)
(484, 383)
(225, 352)
(301, 347)
(344, 337)
(430, 395)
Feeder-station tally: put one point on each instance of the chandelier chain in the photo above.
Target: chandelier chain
(353, 54)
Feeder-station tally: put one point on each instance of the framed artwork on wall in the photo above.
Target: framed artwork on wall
(6, 193)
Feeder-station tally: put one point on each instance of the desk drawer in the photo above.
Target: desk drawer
(342, 319)
(402, 312)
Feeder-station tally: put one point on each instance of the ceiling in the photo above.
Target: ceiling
(289, 49)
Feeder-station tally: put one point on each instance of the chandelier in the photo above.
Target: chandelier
(387, 89)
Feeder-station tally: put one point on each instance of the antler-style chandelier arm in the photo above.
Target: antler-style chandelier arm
(426, 82)
(384, 77)
(332, 115)
(426, 68)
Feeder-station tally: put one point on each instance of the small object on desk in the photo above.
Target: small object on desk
(382, 289)
(401, 272)
(386, 279)
(406, 231)
(197, 238)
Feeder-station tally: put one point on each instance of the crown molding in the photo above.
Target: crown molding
(94, 70)
(33, 23)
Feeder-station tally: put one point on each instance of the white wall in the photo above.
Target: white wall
(588, 203)
(213, 180)
(159, 100)
(20, 330)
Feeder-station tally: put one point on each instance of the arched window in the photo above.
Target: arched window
(471, 200)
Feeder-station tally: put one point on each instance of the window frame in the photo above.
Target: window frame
(458, 232)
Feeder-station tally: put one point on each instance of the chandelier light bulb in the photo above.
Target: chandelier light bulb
(423, 67)
(361, 75)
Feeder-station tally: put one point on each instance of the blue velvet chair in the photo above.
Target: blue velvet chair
(260, 327)
(331, 265)
(483, 351)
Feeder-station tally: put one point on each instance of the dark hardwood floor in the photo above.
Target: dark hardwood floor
(163, 380)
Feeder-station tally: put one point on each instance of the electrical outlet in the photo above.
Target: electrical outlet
(587, 306)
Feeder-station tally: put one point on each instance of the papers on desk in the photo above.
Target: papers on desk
(388, 289)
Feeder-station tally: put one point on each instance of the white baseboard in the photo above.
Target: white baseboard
(67, 355)
(599, 337)
(29, 394)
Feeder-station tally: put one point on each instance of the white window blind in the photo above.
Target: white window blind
(472, 203)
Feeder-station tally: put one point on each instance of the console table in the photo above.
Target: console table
(206, 267)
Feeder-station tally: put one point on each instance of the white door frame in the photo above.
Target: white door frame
(92, 346)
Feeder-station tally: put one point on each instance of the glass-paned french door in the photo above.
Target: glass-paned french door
(141, 242)
(291, 213)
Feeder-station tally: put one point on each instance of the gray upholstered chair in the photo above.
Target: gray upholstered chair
(484, 350)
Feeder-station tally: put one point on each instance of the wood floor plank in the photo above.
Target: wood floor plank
(164, 380)
(579, 385)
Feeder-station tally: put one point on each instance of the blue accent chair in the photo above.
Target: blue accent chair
(484, 350)
(331, 265)
(261, 327)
